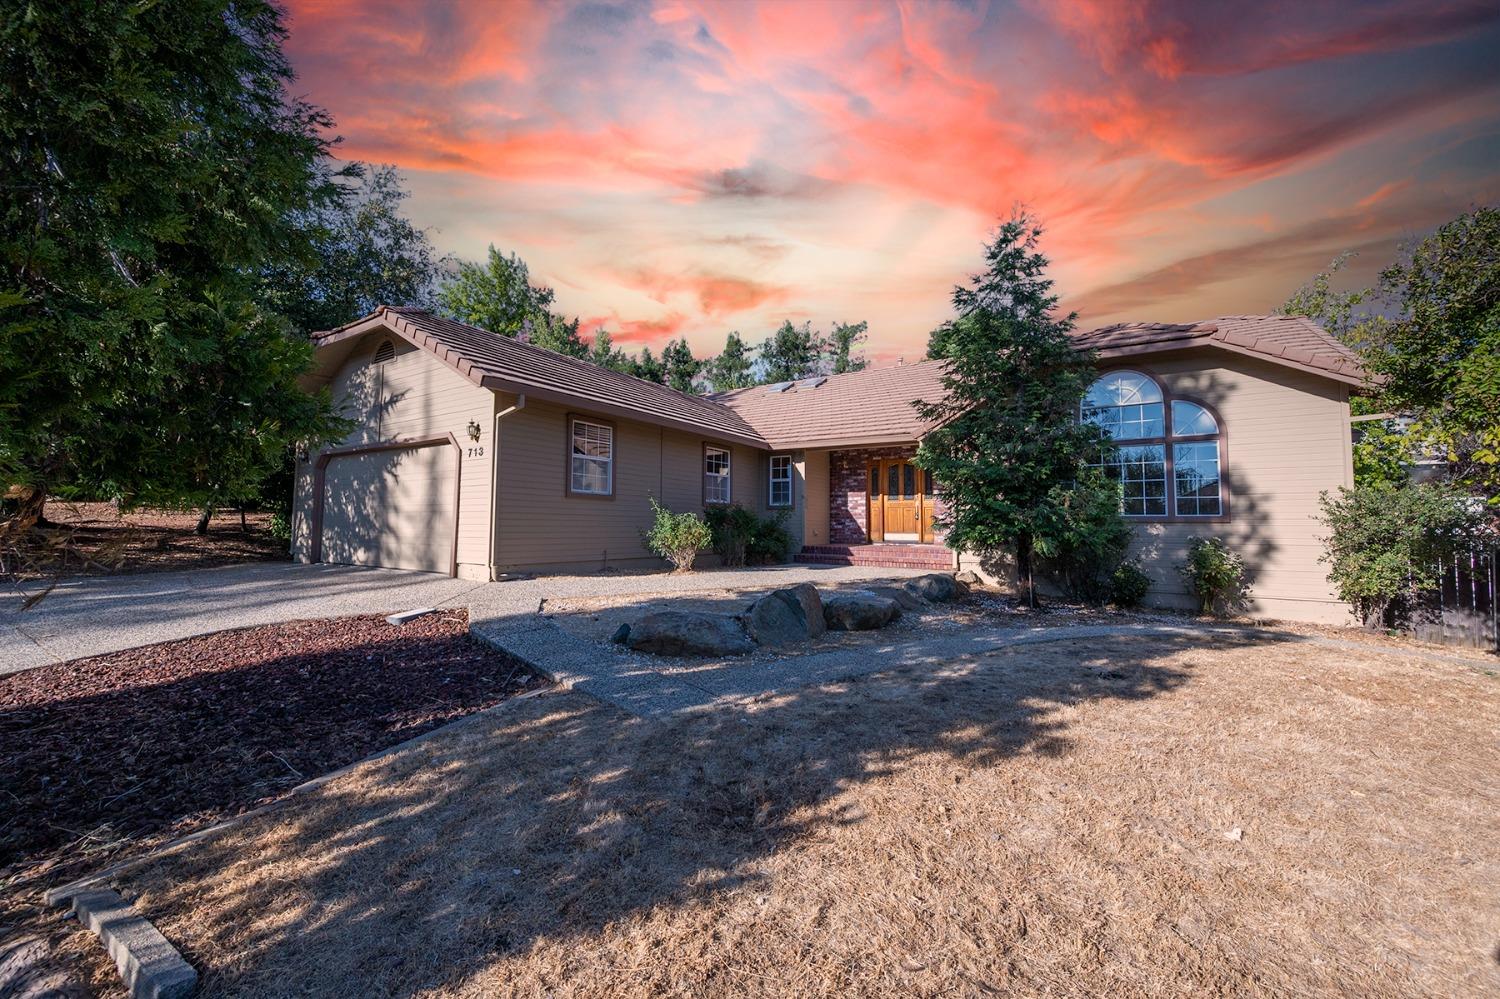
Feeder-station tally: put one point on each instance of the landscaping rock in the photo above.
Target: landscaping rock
(969, 578)
(908, 600)
(938, 587)
(688, 633)
(785, 616)
(859, 610)
(621, 635)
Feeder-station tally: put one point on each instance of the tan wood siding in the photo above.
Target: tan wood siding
(414, 395)
(1287, 441)
(540, 527)
(814, 500)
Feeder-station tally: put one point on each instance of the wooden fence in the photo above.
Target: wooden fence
(1463, 610)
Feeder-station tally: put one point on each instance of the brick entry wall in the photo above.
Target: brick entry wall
(848, 491)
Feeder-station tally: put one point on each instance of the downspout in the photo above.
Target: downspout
(514, 407)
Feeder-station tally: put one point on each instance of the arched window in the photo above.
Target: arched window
(1167, 451)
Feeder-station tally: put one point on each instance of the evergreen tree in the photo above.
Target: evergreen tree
(154, 171)
(645, 365)
(841, 343)
(792, 352)
(1008, 443)
(680, 366)
(732, 368)
(555, 333)
(604, 353)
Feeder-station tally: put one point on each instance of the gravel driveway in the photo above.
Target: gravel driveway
(94, 616)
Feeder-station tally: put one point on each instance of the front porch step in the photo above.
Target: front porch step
(886, 556)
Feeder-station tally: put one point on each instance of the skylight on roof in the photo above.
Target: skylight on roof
(779, 387)
(812, 382)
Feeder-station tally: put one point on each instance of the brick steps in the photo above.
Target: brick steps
(934, 557)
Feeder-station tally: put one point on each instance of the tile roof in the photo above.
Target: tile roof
(511, 365)
(873, 406)
(1294, 341)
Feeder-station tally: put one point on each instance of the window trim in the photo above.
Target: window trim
(1167, 440)
(614, 455)
(791, 483)
(728, 475)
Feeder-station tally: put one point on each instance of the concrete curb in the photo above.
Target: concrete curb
(63, 894)
(150, 966)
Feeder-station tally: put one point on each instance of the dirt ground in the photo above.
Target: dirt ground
(94, 538)
(1126, 817)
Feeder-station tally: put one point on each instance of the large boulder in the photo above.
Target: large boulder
(782, 617)
(859, 610)
(938, 587)
(689, 633)
(908, 600)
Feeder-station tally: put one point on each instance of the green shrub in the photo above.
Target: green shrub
(1387, 541)
(281, 526)
(677, 537)
(1215, 575)
(1128, 584)
(1082, 553)
(742, 538)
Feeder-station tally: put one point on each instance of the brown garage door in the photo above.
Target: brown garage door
(396, 508)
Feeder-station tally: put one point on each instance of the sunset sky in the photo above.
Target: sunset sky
(690, 168)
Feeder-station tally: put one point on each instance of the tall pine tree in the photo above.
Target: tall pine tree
(1008, 443)
(680, 366)
(732, 367)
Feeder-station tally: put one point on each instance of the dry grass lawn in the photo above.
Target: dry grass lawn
(1135, 817)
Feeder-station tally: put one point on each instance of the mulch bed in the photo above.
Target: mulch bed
(102, 752)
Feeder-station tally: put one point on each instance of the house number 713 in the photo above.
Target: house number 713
(476, 452)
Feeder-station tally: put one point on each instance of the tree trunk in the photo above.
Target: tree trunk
(244, 527)
(1023, 570)
(202, 527)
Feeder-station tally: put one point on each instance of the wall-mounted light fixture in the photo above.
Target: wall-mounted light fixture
(474, 430)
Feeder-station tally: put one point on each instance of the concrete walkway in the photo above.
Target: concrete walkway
(98, 615)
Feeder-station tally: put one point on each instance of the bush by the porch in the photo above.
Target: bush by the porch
(740, 537)
(677, 537)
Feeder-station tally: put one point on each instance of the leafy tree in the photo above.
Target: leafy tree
(1386, 544)
(645, 365)
(604, 353)
(154, 171)
(1335, 311)
(1436, 349)
(555, 333)
(1091, 539)
(841, 343)
(1008, 442)
(680, 366)
(732, 368)
(792, 352)
(497, 295)
(366, 254)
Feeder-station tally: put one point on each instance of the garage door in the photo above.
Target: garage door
(395, 508)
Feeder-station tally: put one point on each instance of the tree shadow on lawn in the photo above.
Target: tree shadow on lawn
(561, 815)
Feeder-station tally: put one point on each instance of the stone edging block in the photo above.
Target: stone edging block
(150, 966)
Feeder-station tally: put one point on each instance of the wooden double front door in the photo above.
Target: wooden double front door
(901, 501)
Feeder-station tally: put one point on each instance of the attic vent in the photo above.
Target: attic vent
(812, 383)
(779, 387)
(385, 352)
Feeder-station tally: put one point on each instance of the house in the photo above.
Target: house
(477, 455)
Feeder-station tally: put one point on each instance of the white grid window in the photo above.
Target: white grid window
(592, 468)
(715, 475)
(781, 480)
(1196, 470)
